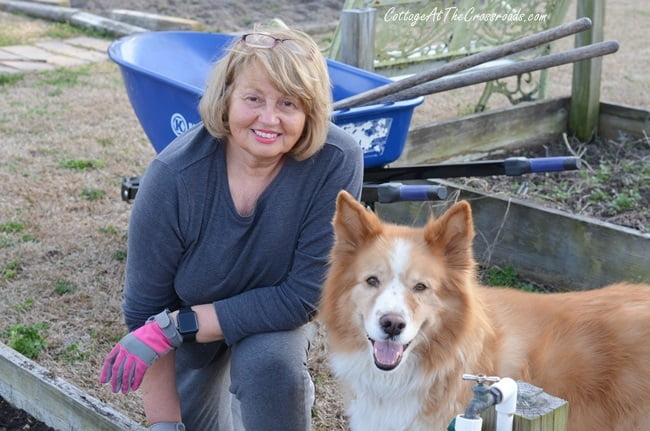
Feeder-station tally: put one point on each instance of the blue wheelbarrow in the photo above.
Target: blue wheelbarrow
(165, 74)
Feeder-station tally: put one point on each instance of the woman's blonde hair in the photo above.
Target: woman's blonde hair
(297, 69)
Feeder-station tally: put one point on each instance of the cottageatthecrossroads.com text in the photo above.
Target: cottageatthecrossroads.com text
(454, 14)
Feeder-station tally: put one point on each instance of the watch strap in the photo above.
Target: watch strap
(168, 328)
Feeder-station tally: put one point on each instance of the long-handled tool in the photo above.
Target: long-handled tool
(464, 63)
(382, 184)
(467, 78)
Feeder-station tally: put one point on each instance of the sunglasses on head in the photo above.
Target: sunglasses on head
(266, 41)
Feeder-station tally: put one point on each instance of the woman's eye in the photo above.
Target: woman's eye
(288, 105)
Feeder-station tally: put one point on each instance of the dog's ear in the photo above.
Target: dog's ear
(454, 230)
(353, 223)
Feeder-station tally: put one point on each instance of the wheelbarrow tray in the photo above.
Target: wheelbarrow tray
(165, 74)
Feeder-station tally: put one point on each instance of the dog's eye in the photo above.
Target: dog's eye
(372, 281)
(420, 287)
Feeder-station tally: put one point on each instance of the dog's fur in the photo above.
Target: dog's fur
(392, 286)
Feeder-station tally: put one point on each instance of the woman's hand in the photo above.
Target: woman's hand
(135, 352)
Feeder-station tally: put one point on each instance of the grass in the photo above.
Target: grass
(12, 227)
(64, 287)
(39, 30)
(10, 270)
(92, 194)
(64, 77)
(82, 164)
(7, 79)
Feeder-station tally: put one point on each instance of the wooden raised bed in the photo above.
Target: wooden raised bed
(53, 401)
(546, 245)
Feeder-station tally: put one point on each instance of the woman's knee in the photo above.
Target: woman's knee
(270, 359)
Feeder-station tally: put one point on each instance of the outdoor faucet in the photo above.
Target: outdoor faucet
(484, 395)
(502, 394)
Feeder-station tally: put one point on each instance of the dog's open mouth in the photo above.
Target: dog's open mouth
(387, 353)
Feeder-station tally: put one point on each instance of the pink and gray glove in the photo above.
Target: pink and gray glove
(136, 351)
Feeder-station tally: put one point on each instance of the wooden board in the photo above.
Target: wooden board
(545, 245)
(621, 121)
(55, 402)
(478, 135)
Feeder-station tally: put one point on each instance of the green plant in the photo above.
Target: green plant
(9, 271)
(92, 194)
(72, 353)
(27, 340)
(508, 277)
(12, 227)
(624, 201)
(24, 306)
(63, 287)
(120, 255)
(82, 164)
(109, 230)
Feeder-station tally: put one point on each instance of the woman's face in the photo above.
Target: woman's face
(264, 123)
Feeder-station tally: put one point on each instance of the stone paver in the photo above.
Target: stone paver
(48, 55)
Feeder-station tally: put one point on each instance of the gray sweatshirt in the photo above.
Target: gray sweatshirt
(188, 245)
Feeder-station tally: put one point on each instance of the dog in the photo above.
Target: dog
(405, 317)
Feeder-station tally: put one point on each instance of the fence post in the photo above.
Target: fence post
(358, 37)
(536, 411)
(585, 89)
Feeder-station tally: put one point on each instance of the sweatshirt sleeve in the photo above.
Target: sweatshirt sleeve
(155, 245)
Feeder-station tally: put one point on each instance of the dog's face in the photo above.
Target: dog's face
(388, 285)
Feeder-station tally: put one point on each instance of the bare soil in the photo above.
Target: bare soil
(13, 419)
(63, 230)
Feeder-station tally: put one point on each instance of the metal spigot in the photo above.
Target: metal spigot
(484, 397)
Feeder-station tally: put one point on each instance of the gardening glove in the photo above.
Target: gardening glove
(167, 426)
(136, 351)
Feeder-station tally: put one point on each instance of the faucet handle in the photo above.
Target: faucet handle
(481, 378)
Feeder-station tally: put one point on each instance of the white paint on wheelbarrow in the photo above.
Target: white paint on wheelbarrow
(179, 124)
(372, 135)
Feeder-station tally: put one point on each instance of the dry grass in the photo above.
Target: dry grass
(62, 262)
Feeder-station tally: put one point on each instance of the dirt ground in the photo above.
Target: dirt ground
(66, 144)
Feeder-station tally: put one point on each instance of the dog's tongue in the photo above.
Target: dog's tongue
(388, 352)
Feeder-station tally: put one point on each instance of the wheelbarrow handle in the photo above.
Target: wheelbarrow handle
(522, 165)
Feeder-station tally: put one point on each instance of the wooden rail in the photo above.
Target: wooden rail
(53, 401)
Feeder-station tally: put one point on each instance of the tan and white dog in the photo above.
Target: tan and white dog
(405, 317)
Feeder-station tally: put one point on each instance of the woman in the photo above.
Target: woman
(231, 225)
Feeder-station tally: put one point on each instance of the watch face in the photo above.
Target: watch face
(187, 322)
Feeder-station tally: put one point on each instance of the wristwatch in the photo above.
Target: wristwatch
(187, 324)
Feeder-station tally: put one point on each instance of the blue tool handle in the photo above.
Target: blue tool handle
(393, 192)
(522, 165)
(553, 164)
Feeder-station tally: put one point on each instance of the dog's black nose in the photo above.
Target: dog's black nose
(392, 324)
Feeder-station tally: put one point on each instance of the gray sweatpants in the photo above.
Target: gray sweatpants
(259, 384)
